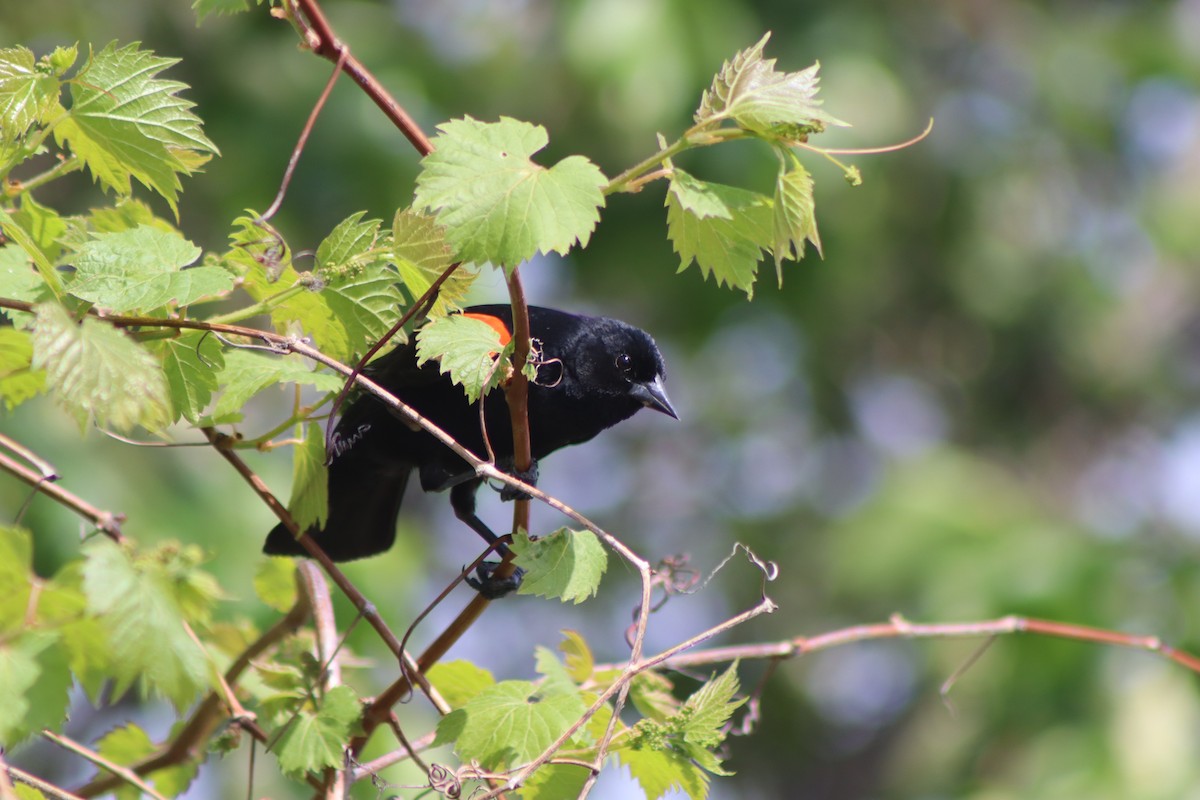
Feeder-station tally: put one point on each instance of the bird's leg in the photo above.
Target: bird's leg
(462, 500)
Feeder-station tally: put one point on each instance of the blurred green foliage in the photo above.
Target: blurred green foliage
(980, 402)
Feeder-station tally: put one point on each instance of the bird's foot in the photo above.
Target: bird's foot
(529, 476)
(491, 586)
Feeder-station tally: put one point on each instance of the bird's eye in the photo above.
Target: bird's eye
(625, 363)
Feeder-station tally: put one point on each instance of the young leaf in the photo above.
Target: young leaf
(751, 92)
(314, 741)
(566, 564)
(45, 225)
(652, 696)
(34, 680)
(247, 373)
(795, 218)
(496, 203)
(142, 269)
(722, 228)
(97, 372)
(709, 708)
(459, 681)
(275, 583)
(660, 771)
(204, 8)
(126, 123)
(18, 278)
(580, 662)
(191, 363)
(28, 91)
(309, 503)
(466, 349)
(18, 380)
(422, 254)
(513, 721)
(140, 613)
(553, 782)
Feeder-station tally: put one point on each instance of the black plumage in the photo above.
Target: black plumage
(593, 373)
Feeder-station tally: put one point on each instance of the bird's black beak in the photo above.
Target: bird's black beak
(654, 395)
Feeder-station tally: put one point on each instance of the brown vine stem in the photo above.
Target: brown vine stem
(106, 522)
(321, 38)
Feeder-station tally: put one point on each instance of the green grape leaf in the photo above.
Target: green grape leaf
(794, 220)
(651, 693)
(19, 381)
(139, 610)
(661, 771)
(309, 503)
(191, 363)
(512, 722)
(314, 741)
(580, 661)
(62, 605)
(467, 349)
(275, 583)
(344, 249)
(421, 255)
(709, 708)
(248, 372)
(43, 224)
(127, 123)
(97, 372)
(125, 745)
(496, 203)
(459, 681)
(566, 564)
(553, 782)
(126, 214)
(142, 269)
(16, 578)
(28, 90)
(205, 8)
(19, 279)
(34, 685)
(722, 228)
(752, 93)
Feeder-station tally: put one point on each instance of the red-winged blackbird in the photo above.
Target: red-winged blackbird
(593, 372)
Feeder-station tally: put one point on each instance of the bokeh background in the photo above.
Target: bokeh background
(982, 401)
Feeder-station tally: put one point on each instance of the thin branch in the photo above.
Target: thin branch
(49, 473)
(899, 628)
(124, 773)
(105, 521)
(48, 789)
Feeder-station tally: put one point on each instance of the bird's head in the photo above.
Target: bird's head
(613, 358)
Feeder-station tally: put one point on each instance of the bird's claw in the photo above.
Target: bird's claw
(529, 476)
(489, 585)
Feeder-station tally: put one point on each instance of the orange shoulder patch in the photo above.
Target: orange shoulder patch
(496, 324)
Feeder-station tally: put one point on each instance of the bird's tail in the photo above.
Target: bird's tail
(363, 504)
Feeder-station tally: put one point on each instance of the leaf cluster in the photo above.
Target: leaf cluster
(504, 725)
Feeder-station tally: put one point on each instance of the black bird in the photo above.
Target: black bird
(593, 373)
